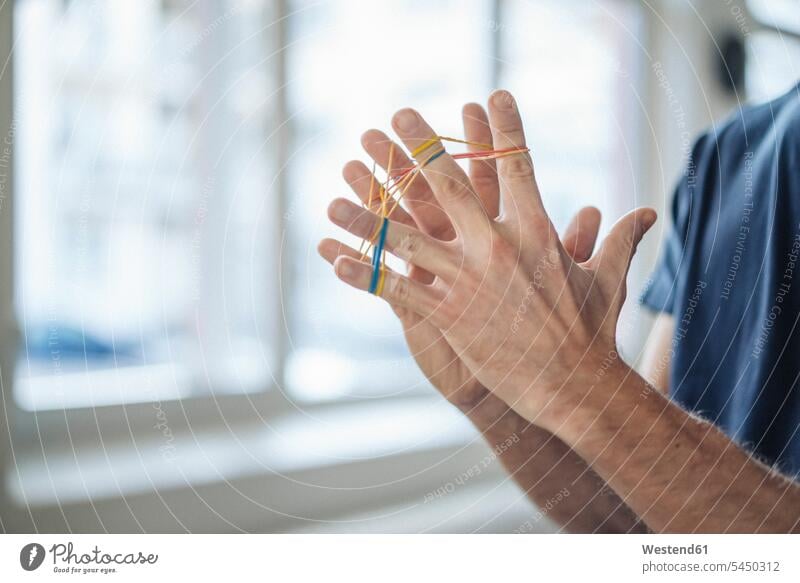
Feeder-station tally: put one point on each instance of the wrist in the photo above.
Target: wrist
(605, 386)
(500, 425)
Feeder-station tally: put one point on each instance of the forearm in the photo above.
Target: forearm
(566, 490)
(677, 472)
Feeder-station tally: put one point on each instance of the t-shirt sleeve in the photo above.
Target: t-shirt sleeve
(660, 289)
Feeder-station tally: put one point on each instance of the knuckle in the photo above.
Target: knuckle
(452, 189)
(401, 290)
(518, 168)
(409, 246)
(484, 182)
(508, 126)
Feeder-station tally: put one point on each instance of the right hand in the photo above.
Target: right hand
(437, 359)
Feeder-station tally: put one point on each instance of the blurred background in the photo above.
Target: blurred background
(175, 356)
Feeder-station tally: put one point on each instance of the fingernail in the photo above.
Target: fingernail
(503, 100)
(406, 120)
(341, 211)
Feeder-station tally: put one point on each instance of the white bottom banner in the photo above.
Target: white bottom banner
(400, 558)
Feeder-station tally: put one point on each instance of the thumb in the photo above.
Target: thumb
(619, 246)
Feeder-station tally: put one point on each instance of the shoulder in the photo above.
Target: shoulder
(761, 129)
(763, 135)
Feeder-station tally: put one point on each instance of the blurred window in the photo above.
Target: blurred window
(174, 171)
(144, 169)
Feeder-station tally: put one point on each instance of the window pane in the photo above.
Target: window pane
(573, 67)
(143, 200)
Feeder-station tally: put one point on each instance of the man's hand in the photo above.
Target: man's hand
(537, 328)
(543, 466)
(523, 316)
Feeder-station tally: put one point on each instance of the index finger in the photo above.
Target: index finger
(449, 183)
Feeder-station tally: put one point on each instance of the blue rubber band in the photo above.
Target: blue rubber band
(376, 256)
(432, 158)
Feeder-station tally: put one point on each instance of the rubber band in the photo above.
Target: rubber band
(424, 146)
(483, 154)
(376, 257)
(489, 154)
(381, 282)
(436, 155)
(368, 206)
(431, 141)
(388, 173)
(371, 185)
(467, 142)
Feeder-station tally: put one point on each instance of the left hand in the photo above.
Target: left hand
(533, 325)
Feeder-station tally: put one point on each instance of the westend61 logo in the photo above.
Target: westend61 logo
(66, 560)
(31, 556)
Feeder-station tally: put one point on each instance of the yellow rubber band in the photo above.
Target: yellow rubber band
(430, 142)
(424, 146)
(467, 142)
(381, 281)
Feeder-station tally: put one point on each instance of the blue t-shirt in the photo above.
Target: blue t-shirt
(730, 276)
